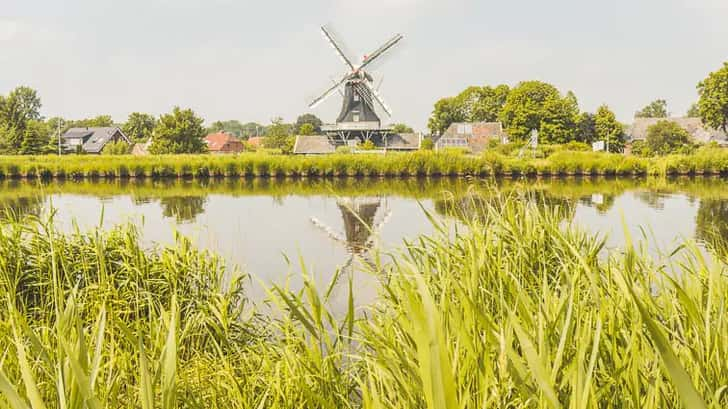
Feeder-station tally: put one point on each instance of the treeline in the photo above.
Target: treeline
(556, 115)
(24, 131)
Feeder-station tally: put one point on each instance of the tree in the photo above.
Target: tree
(474, 104)
(713, 102)
(693, 111)
(35, 138)
(278, 136)
(306, 129)
(119, 147)
(20, 107)
(666, 137)
(538, 105)
(586, 128)
(655, 109)
(139, 126)
(401, 128)
(608, 129)
(447, 111)
(311, 119)
(252, 129)
(101, 121)
(180, 131)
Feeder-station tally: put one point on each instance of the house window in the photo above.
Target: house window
(356, 97)
(356, 117)
(465, 129)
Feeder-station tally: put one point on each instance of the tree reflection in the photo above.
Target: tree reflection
(712, 224)
(21, 206)
(183, 208)
(476, 206)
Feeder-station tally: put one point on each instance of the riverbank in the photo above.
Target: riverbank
(519, 309)
(562, 163)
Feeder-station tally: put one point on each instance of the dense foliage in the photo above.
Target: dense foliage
(474, 104)
(667, 137)
(655, 109)
(139, 126)
(178, 132)
(713, 103)
(519, 311)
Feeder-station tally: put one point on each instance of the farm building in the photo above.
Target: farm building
(324, 144)
(222, 142)
(472, 135)
(694, 126)
(91, 140)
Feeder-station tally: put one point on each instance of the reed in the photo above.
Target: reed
(423, 163)
(515, 310)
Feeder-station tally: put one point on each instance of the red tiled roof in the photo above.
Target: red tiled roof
(222, 141)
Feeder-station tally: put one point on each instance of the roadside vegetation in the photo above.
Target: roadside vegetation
(518, 310)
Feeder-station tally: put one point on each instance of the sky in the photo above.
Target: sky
(261, 59)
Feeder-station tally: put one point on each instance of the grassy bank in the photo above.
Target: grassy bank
(520, 312)
(561, 163)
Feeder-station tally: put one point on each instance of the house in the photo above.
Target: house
(694, 126)
(472, 135)
(222, 142)
(322, 144)
(91, 140)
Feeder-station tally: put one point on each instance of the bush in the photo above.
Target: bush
(667, 137)
(367, 145)
(427, 144)
(116, 148)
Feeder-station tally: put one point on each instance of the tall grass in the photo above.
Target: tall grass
(422, 163)
(518, 310)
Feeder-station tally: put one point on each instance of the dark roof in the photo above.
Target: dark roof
(313, 145)
(95, 138)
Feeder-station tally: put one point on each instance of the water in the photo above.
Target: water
(257, 225)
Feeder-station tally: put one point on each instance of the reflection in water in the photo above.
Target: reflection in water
(475, 205)
(712, 223)
(21, 206)
(360, 226)
(183, 208)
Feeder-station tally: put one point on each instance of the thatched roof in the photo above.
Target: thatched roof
(313, 145)
(694, 127)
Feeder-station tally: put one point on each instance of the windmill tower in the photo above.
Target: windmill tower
(358, 119)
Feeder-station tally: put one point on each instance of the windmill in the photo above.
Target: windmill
(361, 226)
(358, 117)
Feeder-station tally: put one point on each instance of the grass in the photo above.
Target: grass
(521, 310)
(423, 163)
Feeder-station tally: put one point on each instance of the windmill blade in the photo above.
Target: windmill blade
(328, 92)
(379, 99)
(365, 94)
(381, 50)
(330, 38)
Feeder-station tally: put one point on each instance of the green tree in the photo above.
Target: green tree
(693, 111)
(119, 147)
(232, 126)
(252, 129)
(447, 111)
(474, 104)
(278, 136)
(20, 107)
(139, 126)
(101, 121)
(180, 131)
(713, 102)
(401, 128)
(586, 128)
(608, 129)
(538, 105)
(35, 138)
(306, 129)
(311, 119)
(655, 109)
(666, 137)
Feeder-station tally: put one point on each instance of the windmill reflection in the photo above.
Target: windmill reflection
(363, 219)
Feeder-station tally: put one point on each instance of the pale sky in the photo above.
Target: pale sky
(255, 60)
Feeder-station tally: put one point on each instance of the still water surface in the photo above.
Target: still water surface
(256, 224)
